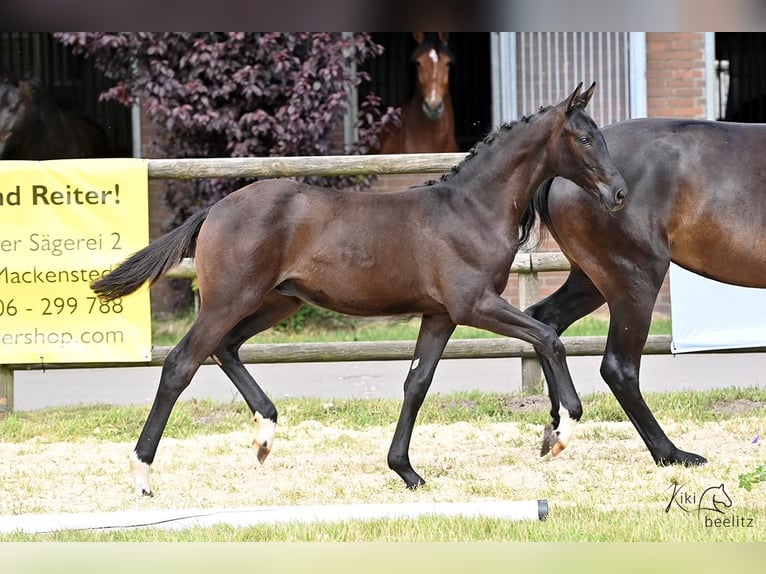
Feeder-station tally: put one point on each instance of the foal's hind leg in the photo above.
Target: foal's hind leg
(493, 313)
(435, 331)
(274, 308)
(573, 300)
(177, 371)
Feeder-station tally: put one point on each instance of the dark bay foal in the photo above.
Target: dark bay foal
(442, 250)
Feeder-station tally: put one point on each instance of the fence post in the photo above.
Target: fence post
(6, 391)
(531, 373)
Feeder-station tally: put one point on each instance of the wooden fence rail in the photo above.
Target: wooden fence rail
(527, 263)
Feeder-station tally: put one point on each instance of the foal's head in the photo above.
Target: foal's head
(578, 152)
(432, 56)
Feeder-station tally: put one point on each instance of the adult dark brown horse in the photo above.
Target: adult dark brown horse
(427, 121)
(33, 127)
(443, 250)
(697, 199)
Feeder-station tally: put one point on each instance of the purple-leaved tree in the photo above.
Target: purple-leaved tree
(237, 94)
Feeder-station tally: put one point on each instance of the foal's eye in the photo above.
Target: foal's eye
(585, 140)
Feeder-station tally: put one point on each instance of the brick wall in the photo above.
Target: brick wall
(675, 74)
(676, 87)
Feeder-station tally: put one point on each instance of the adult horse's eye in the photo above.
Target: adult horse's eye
(585, 140)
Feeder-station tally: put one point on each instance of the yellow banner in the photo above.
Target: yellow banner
(64, 223)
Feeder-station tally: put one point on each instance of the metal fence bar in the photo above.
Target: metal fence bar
(190, 168)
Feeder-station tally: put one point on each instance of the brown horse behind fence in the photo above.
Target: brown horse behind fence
(442, 250)
(427, 121)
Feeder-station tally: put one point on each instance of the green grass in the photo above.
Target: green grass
(565, 524)
(577, 517)
(197, 417)
(168, 331)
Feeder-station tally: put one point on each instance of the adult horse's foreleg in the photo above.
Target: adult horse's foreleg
(275, 308)
(628, 329)
(435, 331)
(576, 298)
(493, 313)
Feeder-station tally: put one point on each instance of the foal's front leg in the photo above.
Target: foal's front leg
(493, 313)
(574, 299)
(435, 331)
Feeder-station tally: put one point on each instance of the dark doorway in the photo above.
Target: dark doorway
(741, 72)
(72, 81)
(393, 79)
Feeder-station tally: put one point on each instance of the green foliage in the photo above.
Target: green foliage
(310, 317)
(238, 94)
(749, 479)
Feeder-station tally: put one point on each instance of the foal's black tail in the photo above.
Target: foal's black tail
(151, 262)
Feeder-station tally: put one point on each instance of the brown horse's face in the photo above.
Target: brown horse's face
(580, 154)
(433, 80)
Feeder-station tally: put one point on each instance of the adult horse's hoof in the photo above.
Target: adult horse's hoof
(415, 484)
(681, 457)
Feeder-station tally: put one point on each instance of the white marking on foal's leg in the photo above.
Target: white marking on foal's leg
(564, 431)
(264, 436)
(140, 471)
(415, 364)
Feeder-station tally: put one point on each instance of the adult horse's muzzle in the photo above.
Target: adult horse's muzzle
(433, 112)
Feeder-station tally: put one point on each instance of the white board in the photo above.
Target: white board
(709, 315)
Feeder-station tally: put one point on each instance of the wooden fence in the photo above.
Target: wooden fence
(526, 263)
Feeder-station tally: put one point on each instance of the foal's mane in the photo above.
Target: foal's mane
(502, 134)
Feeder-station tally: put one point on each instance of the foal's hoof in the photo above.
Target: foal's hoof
(264, 436)
(550, 438)
(551, 443)
(140, 471)
(262, 450)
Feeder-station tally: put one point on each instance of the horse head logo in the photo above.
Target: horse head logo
(714, 498)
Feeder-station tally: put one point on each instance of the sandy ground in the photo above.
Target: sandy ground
(606, 465)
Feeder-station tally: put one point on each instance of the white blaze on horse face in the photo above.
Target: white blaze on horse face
(564, 431)
(140, 471)
(434, 55)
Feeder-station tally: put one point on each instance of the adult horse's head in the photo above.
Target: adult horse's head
(432, 56)
(579, 153)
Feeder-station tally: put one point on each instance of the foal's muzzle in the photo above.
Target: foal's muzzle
(612, 197)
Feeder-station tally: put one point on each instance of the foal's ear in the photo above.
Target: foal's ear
(574, 98)
(585, 98)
